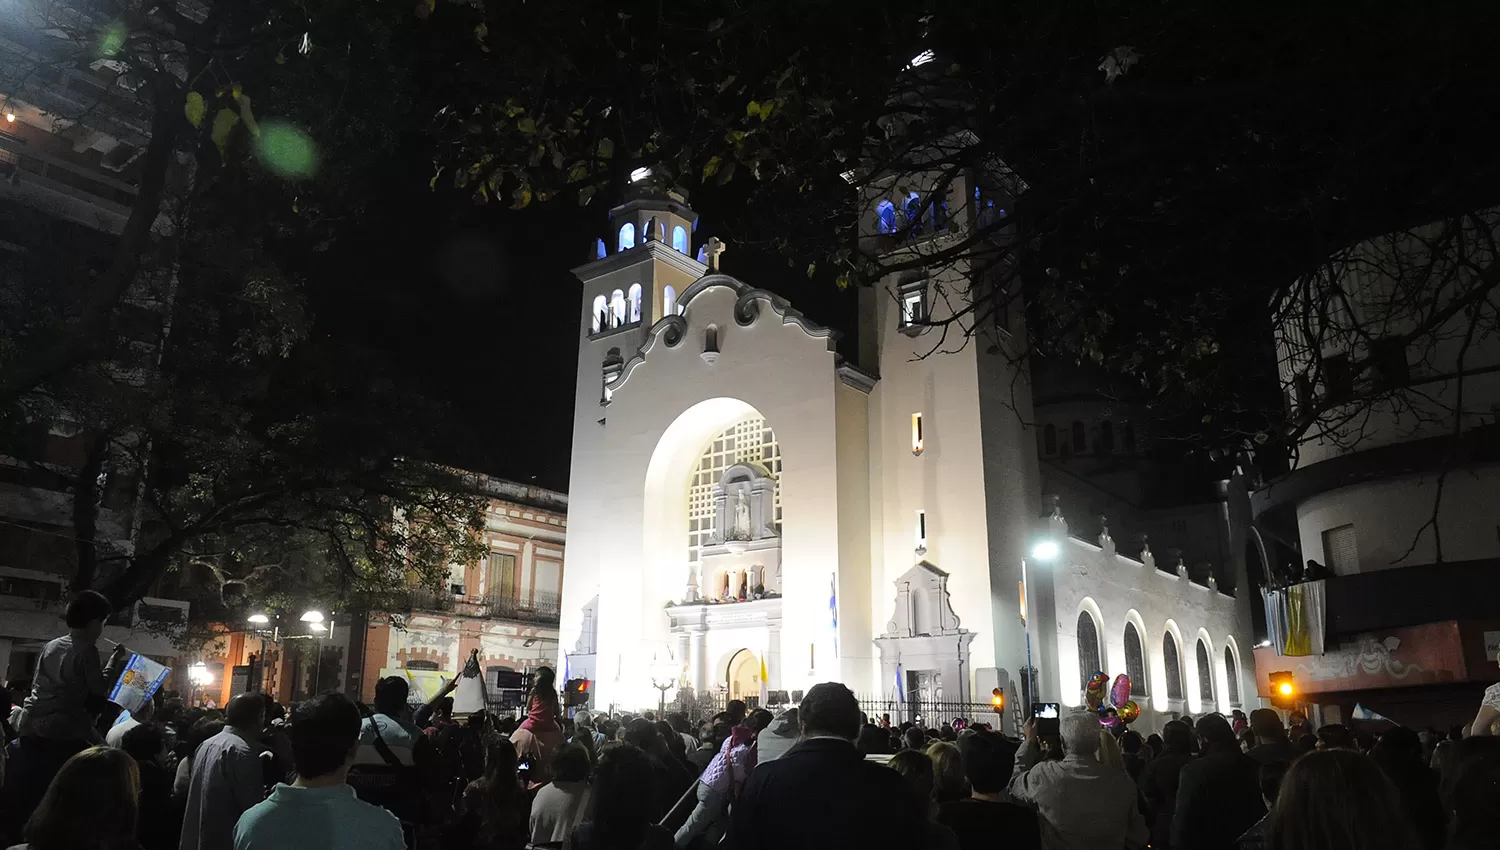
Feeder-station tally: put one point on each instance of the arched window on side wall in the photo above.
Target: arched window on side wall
(668, 302)
(1233, 675)
(1080, 438)
(1173, 663)
(627, 237)
(617, 309)
(634, 299)
(1205, 677)
(885, 217)
(600, 319)
(1049, 440)
(1088, 648)
(679, 240)
(1135, 662)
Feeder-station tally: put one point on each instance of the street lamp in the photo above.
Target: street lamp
(259, 620)
(1044, 550)
(312, 616)
(664, 674)
(200, 676)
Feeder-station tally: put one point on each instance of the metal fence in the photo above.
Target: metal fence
(928, 712)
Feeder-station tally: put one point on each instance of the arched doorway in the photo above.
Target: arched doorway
(743, 675)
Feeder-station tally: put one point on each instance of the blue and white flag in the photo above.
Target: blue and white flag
(833, 610)
(140, 679)
(900, 684)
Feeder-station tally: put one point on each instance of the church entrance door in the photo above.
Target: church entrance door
(744, 675)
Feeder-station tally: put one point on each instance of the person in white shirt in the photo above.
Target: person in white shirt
(1082, 804)
(227, 778)
(560, 804)
(116, 733)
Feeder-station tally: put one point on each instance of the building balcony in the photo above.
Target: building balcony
(1411, 596)
(542, 608)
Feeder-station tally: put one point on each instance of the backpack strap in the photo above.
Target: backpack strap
(381, 746)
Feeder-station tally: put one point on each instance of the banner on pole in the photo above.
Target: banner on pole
(141, 679)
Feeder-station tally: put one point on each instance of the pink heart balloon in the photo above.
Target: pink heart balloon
(1119, 694)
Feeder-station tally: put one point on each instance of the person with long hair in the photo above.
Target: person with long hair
(1337, 799)
(619, 808)
(560, 804)
(949, 782)
(494, 811)
(541, 733)
(90, 804)
(918, 771)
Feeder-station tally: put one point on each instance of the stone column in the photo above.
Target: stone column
(698, 658)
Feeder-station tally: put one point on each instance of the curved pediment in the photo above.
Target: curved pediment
(750, 307)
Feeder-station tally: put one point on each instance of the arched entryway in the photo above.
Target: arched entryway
(743, 675)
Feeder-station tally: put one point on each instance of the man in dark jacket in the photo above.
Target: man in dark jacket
(822, 794)
(1271, 742)
(1218, 797)
(988, 818)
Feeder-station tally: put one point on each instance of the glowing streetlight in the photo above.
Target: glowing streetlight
(259, 619)
(313, 616)
(10, 117)
(318, 627)
(1045, 550)
(200, 675)
(639, 174)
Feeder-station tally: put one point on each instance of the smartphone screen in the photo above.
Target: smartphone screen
(1046, 714)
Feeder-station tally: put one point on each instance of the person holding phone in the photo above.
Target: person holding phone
(1080, 802)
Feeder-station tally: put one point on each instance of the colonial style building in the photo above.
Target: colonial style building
(752, 512)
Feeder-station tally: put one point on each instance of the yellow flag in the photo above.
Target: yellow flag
(763, 676)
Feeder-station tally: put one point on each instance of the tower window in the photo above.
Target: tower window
(627, 236)
(600, 319)
(617, 309)
(921, 532)
(599, 251)
(668, 301)
(912, 297)
(916, 433)
(711, 339)
(634, 300)
(914, 214)
(885, 217)
(679, 239)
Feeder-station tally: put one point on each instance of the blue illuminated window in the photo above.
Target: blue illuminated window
(885, 214)
(627, 236)
(599, 248)
(679, 240)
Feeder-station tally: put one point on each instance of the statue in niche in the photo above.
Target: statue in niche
(742, 514)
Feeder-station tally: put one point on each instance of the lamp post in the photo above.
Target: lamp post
(200, 677)
(1044, 550)
(664, 674)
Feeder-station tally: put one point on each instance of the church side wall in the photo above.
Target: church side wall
(1116, 590)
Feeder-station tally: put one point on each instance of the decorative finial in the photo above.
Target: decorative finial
(714, 248)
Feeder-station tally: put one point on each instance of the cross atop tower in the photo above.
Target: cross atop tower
(713, 249)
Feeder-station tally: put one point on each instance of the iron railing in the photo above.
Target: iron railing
(543, 607)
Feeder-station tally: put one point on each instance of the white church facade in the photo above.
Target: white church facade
(744, 502)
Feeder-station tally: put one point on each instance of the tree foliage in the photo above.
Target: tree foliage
(1183, 165)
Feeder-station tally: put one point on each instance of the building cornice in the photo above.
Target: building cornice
(648, 252)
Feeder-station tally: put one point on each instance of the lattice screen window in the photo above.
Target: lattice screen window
(1339, 550)
(1234, 676)
(748, 441)
(1205, 677)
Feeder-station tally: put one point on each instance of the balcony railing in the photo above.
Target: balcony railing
(543, 607)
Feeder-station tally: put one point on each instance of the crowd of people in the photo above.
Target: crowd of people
(332, 774)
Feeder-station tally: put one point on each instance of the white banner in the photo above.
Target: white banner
(142, 678)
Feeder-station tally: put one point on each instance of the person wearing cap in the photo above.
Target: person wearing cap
(1271, 742)
(822, 793)
(1082, 804)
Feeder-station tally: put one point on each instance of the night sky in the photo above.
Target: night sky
(476, 307)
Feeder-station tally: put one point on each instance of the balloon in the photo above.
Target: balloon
(1129, 711)
(1094, 693)
(1119, 694)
